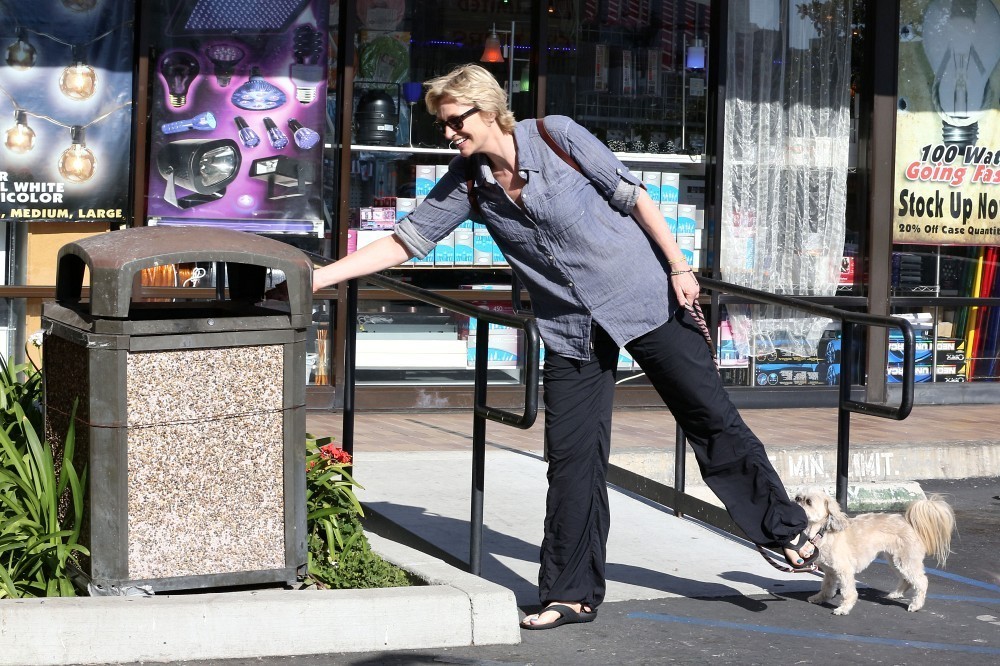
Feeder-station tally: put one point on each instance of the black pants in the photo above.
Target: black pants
(578, 405)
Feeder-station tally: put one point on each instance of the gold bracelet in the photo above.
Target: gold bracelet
(673, 273)
(676, 261)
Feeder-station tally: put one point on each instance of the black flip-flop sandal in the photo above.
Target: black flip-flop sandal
(795, 544)
(566, 616)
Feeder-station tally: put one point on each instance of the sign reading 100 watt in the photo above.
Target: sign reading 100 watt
(947, 162)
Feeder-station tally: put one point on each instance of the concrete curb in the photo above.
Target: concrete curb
(453, 609)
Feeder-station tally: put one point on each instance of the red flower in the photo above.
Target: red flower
(335, 453)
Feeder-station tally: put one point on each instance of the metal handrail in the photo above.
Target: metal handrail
(849, 320)
(481, 411)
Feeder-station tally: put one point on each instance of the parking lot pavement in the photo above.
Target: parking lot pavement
(960, 623)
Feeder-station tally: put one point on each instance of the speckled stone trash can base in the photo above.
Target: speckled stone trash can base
(205, 479)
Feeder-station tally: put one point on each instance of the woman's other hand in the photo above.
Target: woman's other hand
(685, 284)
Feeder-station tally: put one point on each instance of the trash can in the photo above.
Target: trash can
(190, 416)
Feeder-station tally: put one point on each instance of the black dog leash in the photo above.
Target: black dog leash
(694, 309)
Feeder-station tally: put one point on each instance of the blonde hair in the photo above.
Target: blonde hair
(471, 84)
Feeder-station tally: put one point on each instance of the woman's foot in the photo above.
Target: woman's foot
(801, 552)
(557, 614)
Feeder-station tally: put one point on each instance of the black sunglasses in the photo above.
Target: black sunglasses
(455, 122)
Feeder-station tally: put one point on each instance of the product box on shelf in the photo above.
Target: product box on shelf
(944, 351)
(735, 375)
(482, 246)
(425, 179)
(444, 251)
(463, 247)
(439, 171)
(670, 188)
(790, 374)
(651, 181)
(405, 206)
(669, 212)
(502, 352)
(372, 217)
(923, 373)
(728, 353)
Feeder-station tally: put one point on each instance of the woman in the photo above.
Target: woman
(603, 271)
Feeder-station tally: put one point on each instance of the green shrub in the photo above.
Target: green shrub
(339, 554)
(35, 544)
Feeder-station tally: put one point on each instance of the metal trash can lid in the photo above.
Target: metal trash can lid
(116, 257)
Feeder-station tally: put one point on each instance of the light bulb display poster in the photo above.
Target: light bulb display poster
(65, 110)
(947, 160)
(238, 113)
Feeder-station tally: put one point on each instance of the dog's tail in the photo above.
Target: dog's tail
(934, 521)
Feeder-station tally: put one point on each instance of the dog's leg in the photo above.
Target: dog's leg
(828, 589)
(903, 586)
(912, 569)
(848, 593)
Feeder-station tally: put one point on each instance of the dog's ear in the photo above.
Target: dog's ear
(836, 520)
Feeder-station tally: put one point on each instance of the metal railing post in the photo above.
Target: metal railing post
(350, 356)
(479, 449)
(844, 415)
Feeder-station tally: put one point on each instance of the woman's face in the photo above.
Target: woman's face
(463, 125)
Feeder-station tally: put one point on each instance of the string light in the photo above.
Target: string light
(78, 80)
(20, 137)
(77, 163)
(21, 54)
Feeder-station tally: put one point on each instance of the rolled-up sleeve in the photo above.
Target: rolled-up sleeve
(612, 178)
(446, 206)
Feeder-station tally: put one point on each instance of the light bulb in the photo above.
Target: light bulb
(961, 46)
(275, 136)
(492, 51)
(224, 57)
(20, 137)
(21, 54)
(203, 121)
(257, 94)
(305, 138)
(79, 80)
(179, 70)
(525, 79)
(248, 137)
(77, 163)
(307, 70)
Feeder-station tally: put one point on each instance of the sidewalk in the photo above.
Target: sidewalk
(934, 442)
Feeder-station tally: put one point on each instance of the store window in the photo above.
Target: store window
(786, 168)
(632, 73)
(945, 226)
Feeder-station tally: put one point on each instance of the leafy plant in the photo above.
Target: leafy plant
(35, 546)
(339, 553)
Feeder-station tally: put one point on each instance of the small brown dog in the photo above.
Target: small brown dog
(850, 544)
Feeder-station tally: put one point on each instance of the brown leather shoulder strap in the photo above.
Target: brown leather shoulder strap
(556, 148)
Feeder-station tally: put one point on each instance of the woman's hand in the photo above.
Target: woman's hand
(685, 285)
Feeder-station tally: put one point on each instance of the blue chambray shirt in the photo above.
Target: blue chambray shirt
(581, 259)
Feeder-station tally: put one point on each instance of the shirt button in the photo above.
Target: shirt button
(550, 257)
(569, 284)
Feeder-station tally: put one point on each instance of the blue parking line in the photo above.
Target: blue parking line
(962, 579)
(798, 633)
(958, 597)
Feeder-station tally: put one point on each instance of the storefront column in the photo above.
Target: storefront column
(883, 53)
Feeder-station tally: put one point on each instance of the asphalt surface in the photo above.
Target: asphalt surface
(960, 623)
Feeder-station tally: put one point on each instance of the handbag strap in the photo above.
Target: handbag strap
(556, 148)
